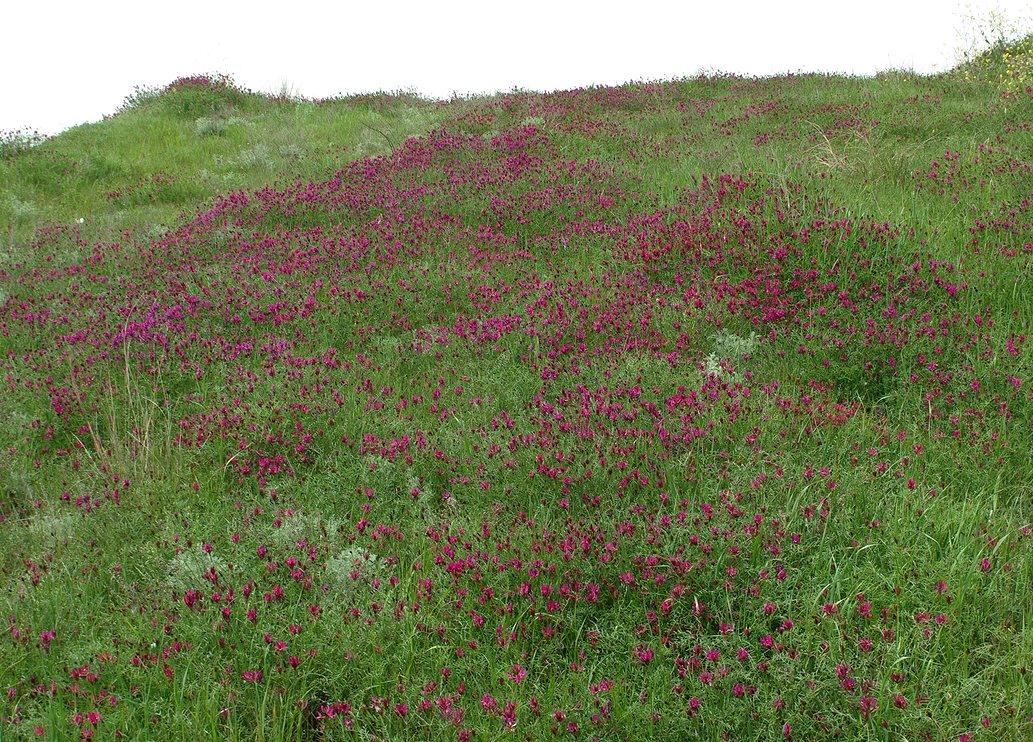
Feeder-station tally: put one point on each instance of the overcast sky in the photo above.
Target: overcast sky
(64, 63)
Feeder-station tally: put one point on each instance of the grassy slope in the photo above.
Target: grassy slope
(891, 491)
(200, 144)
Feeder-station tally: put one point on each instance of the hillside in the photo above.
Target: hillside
(167, 150)
(684, 409)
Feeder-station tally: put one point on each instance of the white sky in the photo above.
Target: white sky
(67, 62)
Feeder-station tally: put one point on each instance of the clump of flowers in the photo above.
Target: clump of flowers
(15, 141)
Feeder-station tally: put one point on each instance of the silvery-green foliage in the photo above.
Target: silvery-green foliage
(291, 151)
(728, 347)
(54, 529)
(351, 568)
(20, 210)
(187, 569)
(208, 126)
(254, 158)
(157, 231)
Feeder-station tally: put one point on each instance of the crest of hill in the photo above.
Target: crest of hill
(168, 149)
(1007, 64)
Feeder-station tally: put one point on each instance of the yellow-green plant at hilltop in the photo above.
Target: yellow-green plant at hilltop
(999, 51)
(1010, 67)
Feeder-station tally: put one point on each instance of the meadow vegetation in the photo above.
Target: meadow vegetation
(693, 409)
(167, 150)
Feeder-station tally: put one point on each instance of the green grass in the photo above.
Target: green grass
(165, 155)
(198, 437)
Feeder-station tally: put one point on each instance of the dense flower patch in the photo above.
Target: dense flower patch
(502, 436)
